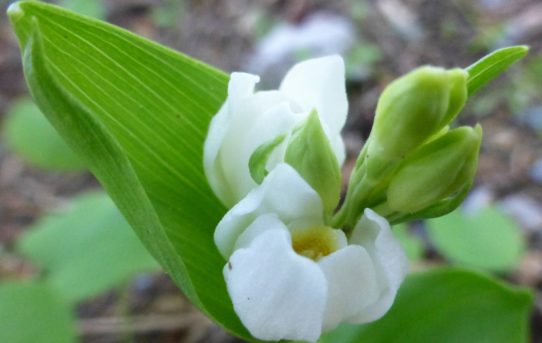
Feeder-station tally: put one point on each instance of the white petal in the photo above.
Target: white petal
(320, 83)
(338, 148)
(352, 284)
(276, 293)
(247, 110)
(340, 237)
(373, 232)
(283, 192)
(244, 122)
(241, 144)
(263, 223)
(213, 170)
(240, 86)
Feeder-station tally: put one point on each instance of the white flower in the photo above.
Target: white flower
(248, 119)
(292, 277)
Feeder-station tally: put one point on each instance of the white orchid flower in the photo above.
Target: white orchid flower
(292, 277)
(249, 119)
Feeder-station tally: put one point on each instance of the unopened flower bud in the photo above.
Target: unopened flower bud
(414, 108)
(435, 171)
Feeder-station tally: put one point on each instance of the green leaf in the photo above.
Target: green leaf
(32, 312)
(33, 138)
(486, 239)
(86, 249)
(447, 305)
(492, 65)
(138, 114)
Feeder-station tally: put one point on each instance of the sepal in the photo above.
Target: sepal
(310, 153)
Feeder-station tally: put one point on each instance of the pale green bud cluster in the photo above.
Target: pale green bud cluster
(413, 165)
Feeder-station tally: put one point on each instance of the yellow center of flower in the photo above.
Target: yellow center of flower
(315, 242)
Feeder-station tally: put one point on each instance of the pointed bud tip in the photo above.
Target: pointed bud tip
(431, 76)
(523, 48)
(469, 135)
(458, 77)
(427, 76)
(478, 129)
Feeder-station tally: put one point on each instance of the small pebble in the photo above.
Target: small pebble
(478, 198)
(536, 172)
(319, 34)
(527, 211)
(532, 117)
(530, 270)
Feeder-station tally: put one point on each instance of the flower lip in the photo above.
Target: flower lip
(292, 277)
(301, 208)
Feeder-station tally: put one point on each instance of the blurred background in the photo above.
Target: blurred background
(60, 235)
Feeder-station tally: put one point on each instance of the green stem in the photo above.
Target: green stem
(368, 191)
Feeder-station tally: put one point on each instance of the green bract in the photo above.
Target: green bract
(492, 65)
(437, 170)
(310, 153)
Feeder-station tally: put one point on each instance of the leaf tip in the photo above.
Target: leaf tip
(519, 51)
(21, 20)
(524, 295)
(524, 49)
(15, 12)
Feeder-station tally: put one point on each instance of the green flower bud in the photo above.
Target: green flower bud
(415, 107)
(310, 153)
(435, 171)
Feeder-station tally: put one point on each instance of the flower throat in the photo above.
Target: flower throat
(315, 242)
